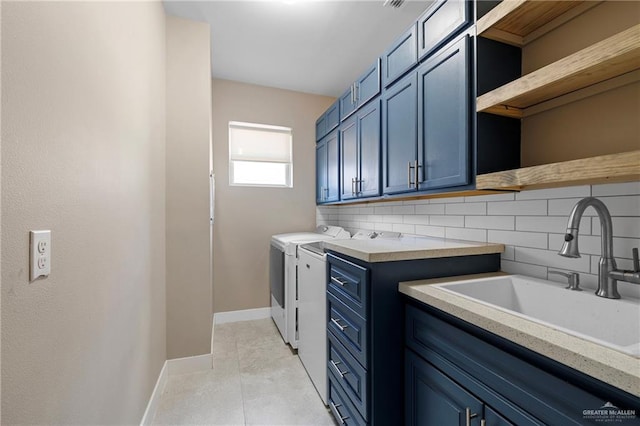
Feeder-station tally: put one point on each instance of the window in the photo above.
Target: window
(260, 155)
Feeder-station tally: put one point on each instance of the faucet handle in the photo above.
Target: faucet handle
(573, 278)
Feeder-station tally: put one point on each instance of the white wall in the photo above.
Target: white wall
(531, 224)
(83, 154)
(189, 284)
(246, 217)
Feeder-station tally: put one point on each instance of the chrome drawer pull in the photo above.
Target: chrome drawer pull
(336, 413)
(339, 281)
(335, 366)
(469, 415)
(337, 324)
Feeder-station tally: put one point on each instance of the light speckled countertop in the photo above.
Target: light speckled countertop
(608, 365)
(409, 248)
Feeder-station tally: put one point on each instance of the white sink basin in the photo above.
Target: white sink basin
(609, 322)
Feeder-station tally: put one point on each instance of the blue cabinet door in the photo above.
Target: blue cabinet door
(327, 169)
(399, 136)
(332, 116)
(444, 135)
(368, 85)
(400, 57)
(349, 158)
(431, 398)
(348, 103)
(321, 172)
(368, 182)
(440, 22)
(333, 168)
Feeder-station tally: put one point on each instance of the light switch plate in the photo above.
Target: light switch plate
(40, 253)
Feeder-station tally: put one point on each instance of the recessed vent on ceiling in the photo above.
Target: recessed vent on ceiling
(393, 3)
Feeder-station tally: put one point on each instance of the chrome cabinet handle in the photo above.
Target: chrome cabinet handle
(409, 174)
(360, 182)
(353, 187)
(335, 366)
(326, 191)
(469, 415)
(338, 281)
(336, 413)
(483, 422)
(337, 324)
(356, 96)
(416, 168)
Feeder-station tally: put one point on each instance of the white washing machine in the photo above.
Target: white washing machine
(283, 276)
(312, 308)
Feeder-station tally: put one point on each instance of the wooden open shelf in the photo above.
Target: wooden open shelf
(623, 167)
(518, 22)
(606, 59)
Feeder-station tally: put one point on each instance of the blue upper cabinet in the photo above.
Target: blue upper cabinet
(327, 169)
(400, 136)
(360, 153)
(361, 91)
(441, 21)
(328, 121)
(444, 116)
(400, 57)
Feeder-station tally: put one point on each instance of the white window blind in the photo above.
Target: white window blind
(260, 155)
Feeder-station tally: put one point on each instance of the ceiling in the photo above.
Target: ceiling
(308, 46)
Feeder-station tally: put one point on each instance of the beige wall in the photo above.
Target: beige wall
(189, 286)
(247, 217)
(83, 133)
(601, 124)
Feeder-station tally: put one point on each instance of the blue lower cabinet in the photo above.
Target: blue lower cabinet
(457, 373)
(435, 399)
(365, 349)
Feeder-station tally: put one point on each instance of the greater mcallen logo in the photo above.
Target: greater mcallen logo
(609, 413)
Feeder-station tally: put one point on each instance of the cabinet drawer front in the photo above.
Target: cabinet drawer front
(341, 407)
(349, 373)
(509, 384)
(348, 282)
(400, 57)
(441, 21)
(349, 328)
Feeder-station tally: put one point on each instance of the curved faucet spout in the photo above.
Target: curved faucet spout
(607, 286)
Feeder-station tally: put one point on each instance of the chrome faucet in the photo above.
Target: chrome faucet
(608, 273)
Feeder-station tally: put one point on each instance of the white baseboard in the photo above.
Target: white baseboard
(171, 367)
(244, 315)
(154, 400)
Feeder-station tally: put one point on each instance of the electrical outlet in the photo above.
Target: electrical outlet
(40, 256)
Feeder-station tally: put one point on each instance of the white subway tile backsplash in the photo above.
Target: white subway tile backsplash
(517, 238)
(430, 209)
(383, 210)
(557, 224)
(523, 269)
(550, 259)
(622, 226)
(531, 224)
(466, 208)
(404, 210)
(490, 222)
(383, 227)
(627, 188)
(517, 208)
(430, 231)
(466, 234)
(509, 253)
(509, 196)
(416, 219)
(446, 200)
(392, 218)
(545, 194)
(404, 228)
(447, 221)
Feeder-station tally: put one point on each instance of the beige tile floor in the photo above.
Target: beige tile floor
(256, 380)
